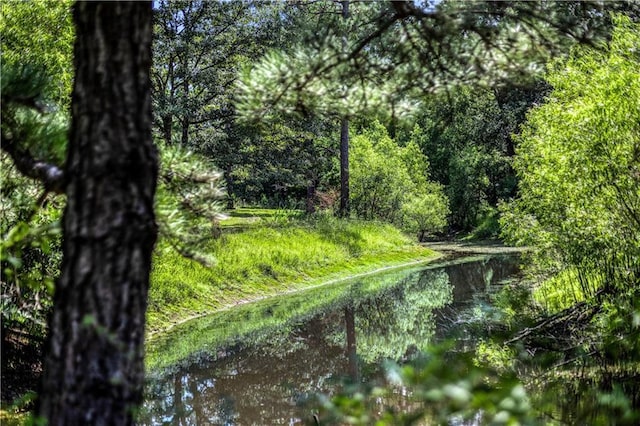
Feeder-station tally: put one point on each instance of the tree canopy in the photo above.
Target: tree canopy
(406, 48)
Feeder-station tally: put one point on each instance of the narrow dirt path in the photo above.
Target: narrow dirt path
(475, 247)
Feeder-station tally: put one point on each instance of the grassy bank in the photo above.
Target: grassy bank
(261, 261)
(266, 320)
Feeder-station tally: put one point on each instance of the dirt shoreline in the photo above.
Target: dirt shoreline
(473, 247)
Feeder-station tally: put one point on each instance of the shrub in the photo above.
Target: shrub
(390, 183)
(426, 213)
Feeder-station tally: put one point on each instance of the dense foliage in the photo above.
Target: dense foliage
(467, 136)
(30, 250)
(288, 164)
(40, 34)
(199, 47)
(390, 183)
(579, 161)
(579, 198)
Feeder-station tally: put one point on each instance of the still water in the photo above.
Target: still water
(256, 364)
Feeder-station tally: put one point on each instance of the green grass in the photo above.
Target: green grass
(245, 217)
(270, 259)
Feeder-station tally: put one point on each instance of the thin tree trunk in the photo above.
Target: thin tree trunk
(167, 119)
(345, 207)
(185, 106)
(93, 367)
(185, 131)
(312, 185)
(228, 177)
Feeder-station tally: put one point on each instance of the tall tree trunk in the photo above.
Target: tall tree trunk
(312, 186)
(345, 208)
(228, 178)
(167, 119)
(93, 368)
(186, 110)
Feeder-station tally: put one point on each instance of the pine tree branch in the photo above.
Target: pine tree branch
(50, 175)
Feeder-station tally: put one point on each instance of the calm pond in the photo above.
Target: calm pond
(255, 364)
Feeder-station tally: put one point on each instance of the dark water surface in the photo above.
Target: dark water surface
(255, 365)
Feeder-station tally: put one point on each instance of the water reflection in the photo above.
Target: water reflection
(264, 376)
(397, 319)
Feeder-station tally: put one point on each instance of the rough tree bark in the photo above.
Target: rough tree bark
(93, 369)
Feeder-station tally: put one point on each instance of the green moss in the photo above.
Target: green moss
(267, 260)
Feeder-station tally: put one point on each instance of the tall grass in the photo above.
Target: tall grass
(567, 288)
(265, 260)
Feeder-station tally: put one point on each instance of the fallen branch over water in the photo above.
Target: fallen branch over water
(559, 332)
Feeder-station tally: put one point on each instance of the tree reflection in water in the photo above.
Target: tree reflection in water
(265, 377)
